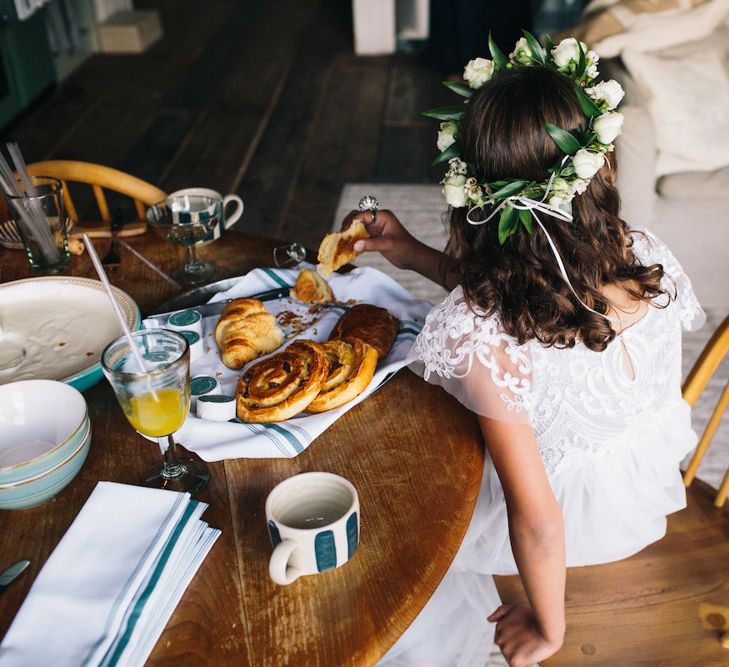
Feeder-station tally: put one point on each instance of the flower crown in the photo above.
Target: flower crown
(515, 200)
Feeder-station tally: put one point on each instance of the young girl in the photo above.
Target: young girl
(563, 335)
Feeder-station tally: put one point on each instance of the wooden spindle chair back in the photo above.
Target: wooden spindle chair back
(100, 178)
(703, 370)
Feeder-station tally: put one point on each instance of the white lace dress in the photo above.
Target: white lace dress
(611, 441)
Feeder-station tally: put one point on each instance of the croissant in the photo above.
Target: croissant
(311, 288)
(245, 331)
(337, 248)
(351, 368)
(283, 385)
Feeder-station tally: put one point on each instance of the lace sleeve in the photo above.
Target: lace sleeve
(473, 359)
(649, 249)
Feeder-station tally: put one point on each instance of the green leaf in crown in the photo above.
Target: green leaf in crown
(583, 151)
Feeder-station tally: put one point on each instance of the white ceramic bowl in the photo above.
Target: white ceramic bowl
(44, 437)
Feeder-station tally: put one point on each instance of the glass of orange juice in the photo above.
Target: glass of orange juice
(156, 399)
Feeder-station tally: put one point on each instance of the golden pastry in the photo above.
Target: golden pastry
(245, 331)
(351, 367)
(370, 324)
(337, 248)
(311, 288)
(283, 385)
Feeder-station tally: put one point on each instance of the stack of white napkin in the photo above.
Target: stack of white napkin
(107, 591)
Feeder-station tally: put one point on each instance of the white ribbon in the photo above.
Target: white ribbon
(522, 203)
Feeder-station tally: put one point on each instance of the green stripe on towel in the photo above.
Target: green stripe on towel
(123, 640)
(279, 280)
(293, 440)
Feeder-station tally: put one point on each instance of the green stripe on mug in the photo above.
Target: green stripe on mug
(325, 550)
(352, 534)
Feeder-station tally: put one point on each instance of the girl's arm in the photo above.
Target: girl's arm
(388, 236)
(529, 634)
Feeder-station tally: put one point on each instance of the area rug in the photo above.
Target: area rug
(421, 209)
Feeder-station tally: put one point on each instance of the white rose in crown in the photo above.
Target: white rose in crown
(454, 190)
(447, 135)
(608, 127)
(610, 92)
(587, 163)
(478, 72)
(567, 53)
(579, 186)
(522, 53)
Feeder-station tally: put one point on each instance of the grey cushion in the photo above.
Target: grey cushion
(696, 185)
(635, 151)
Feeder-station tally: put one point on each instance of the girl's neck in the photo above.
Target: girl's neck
(625, 309)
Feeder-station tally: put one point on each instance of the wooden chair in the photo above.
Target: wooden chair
(669, 604)
(101, 178)
(704, 368)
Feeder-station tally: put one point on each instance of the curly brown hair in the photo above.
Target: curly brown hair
(502, 135)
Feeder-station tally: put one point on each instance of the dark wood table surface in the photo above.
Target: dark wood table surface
(414, 454)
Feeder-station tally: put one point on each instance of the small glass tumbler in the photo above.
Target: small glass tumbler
(41, 222)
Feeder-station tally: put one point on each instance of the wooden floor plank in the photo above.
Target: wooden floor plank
(342, 146)
(274, 169)
(240, 103)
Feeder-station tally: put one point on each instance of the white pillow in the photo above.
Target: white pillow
(652, 32)
(688, 101)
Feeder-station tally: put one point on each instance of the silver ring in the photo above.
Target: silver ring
(369, 203)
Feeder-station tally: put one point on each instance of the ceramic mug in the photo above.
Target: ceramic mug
(313, 521)
(227, 221)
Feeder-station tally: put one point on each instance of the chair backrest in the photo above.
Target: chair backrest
(99, 178)
(704, 368)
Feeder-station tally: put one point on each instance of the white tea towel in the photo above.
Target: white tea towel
(108, 589)
(215, 441)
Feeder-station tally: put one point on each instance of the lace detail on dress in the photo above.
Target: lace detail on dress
(649, 249)
(475, 360)
(581, 404)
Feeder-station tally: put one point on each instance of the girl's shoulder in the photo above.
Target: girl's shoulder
(469, 354)
(455, 319)
(649, 249)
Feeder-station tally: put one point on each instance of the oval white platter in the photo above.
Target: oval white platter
(64, 323)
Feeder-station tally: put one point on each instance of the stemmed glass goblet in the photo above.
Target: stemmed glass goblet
(156, 399)
(185, 220)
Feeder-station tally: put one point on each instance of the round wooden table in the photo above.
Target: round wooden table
(414, 454)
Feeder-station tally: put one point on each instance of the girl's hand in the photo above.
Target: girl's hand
(388, 236)
(518, 636)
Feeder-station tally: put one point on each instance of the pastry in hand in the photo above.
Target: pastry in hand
(245, 331)
(369, 324)
(311, 288)
(337, 248)
(351, 367)
(283, 385)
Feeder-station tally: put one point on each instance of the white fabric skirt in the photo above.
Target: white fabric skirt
(614, 504)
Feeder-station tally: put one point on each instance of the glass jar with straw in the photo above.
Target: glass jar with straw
(36, 204)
